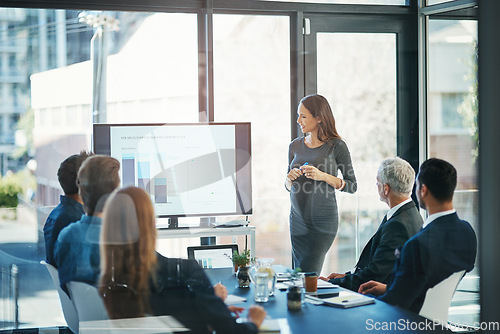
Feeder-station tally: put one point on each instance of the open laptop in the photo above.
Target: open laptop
(213, 256)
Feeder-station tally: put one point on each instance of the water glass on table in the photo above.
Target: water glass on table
(261, 287)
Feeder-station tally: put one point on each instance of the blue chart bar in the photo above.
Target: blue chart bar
(143, 176)
(160, 190)
(128, 170)
(205, 263)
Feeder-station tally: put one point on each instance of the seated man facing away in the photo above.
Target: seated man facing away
(77, 248)
(444, 246)
(395, 178)
(70, 208)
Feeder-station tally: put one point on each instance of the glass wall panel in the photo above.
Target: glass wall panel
(452, 129)
(46, 75)
(357, 74)
(252, 84)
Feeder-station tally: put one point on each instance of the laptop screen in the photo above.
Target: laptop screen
(215, 256)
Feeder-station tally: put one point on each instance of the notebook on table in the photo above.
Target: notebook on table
(347, 299)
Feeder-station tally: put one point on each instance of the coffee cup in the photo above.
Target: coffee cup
(311, 282)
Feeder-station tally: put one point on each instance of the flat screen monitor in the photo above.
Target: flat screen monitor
(198, 169)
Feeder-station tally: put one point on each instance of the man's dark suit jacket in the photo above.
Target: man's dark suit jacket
(377, 259)
(443, 247)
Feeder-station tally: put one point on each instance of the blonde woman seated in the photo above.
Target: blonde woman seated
(136, 281)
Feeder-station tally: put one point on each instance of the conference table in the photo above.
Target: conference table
(379, 317)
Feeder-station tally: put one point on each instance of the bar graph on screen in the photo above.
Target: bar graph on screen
(128, 169)
(187, 169)
(144, 173)
(160, 184)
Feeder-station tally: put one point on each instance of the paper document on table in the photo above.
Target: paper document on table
(321, 285)
(279, 325)
(144, 325)
(232, 299)
(325, 284)
(275, 326)
(348, 299)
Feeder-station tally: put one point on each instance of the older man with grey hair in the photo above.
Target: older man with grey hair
(395, 178)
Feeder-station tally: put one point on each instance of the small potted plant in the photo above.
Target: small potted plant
(241, 262)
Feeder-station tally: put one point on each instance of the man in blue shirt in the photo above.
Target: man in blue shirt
(70, 209)
(77, 248)
(444, 246)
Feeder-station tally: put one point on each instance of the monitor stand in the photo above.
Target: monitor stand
(173, 222)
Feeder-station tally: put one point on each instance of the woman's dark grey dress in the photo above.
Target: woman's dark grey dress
(313, 213)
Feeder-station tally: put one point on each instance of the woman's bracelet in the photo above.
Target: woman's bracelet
(342, 185)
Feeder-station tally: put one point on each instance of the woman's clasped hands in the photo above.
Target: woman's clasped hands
(312, 173)
(308, 171)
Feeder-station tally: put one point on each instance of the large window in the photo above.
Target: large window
(452, 99)
(357, 73)
(453, 133)
(157, 71)
(242, 44)
(149, 79)
(355, 63)
(151, 75)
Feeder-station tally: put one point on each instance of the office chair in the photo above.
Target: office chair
(437, 299)
(94, 317)
(69, 310)
(87, 301)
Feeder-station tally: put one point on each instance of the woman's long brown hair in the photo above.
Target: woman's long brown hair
(319, 107)
(128, 255)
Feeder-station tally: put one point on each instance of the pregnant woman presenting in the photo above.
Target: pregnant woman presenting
(313, 164)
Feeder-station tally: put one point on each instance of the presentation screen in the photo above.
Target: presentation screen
(198, 169)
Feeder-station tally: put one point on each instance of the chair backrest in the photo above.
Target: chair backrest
(67, 306)
(9, 296)
(438, 299)
(88, 302)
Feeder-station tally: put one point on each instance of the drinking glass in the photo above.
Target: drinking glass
(261, 281)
